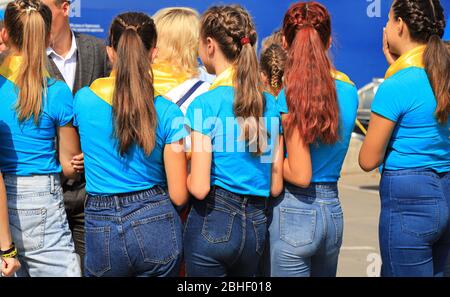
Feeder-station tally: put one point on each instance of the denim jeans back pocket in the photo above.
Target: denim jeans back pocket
(157, 238)
(418, 217)
(217, 224)
(260, 228)
(98, 260)
(297, 226)
(28, 228)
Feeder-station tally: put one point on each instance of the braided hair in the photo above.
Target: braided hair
(273, 61)
(233, 29)
(426, 23)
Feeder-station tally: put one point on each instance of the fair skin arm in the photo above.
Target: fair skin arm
(175, 164)
(9, 265)
(297, 168)
(375, 144)
(277, 182)
(199, 180)
(69, 149)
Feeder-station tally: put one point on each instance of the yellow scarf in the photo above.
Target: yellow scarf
(337, 75)
(104, 88)
(225, 79)
(11, 66)
(413, 58)
(166, 79)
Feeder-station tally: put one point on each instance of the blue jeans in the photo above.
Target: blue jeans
(39, 227)
(225, 235)
(136, 234)
(414, 225)
(305, 229)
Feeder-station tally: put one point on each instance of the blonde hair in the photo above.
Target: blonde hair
(178, 31)
(28, 23)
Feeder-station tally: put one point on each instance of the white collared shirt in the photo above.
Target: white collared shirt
(67, 65)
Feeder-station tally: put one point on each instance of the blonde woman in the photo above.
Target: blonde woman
(176, 69)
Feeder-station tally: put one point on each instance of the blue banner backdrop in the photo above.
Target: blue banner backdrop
(357, 25)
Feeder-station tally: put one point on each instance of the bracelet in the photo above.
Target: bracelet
(11, 253)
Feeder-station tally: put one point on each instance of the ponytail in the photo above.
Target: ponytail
(437, 66)
(133, 100)
(310, 89)
(426, 24)
(133, 35)
(234, 30)
(249, 102)
(28, 23)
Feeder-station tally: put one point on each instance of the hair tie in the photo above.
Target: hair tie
(29, 9)
(245, 40)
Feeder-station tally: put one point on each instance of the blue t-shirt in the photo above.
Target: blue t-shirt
(109, 173)
(233, 166)
(327, 159)
(26, 148)
(418, 140)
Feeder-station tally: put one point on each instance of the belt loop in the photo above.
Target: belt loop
(117, 203)
(52, 184)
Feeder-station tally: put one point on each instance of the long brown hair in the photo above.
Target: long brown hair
(426, 23)
(133, 35)
(310, 89)
(233, 29)
(28, 23)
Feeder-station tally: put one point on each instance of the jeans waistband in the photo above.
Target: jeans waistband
(415, 171)
(315, 190)
(33, 182)
(225, 194)
(108, 201)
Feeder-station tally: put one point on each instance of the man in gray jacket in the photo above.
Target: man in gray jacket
(78, 60)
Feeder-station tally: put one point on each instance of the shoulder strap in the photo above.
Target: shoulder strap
(189, 93)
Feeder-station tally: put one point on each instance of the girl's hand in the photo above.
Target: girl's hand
(390, 57)
(10, 266)
(78, 163)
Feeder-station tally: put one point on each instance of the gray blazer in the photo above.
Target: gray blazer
(92, 62)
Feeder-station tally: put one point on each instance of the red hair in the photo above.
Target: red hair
(310, 89)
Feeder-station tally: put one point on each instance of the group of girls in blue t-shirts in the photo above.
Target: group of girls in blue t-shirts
(260, 176)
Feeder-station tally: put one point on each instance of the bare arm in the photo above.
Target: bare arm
(9, 265)
(297, 168)
(69, 147)
(375, 144)
(5, 234)
(175, 164)
(199, 180)
(277, 182)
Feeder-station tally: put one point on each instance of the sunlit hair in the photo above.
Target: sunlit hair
(133, 36)
(228, 26)
(28, 23)
(426, 23)
(273, 61)
(275, 38)
(178, 31)
(310, 89)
